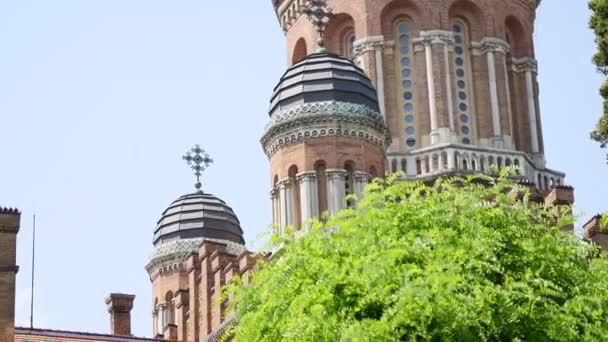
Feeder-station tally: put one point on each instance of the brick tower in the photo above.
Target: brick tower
(198, 249)
(9, 227)
(456, 80)
(325, 139)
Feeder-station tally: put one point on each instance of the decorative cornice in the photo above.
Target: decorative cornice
(320, 119)
(326, 108)
(9, 211)
(172, 256)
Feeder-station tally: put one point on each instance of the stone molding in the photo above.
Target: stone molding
(326, 108)
(524, 64)
(306, 176)
(493, 44)
(335, 173)
(368, 44)
(173, 256)
(434, 37)
(361, 176)
(321, 119)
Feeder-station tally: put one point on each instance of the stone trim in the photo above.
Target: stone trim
(332, 118)
(493, 44)
(525, 64)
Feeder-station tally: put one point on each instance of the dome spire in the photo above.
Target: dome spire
(199, 161)
(320, 16)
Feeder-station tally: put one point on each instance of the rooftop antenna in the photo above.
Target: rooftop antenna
(33, 265)
(320, 16)
(199, 161)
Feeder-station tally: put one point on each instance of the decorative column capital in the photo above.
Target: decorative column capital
(335, 173)
(491, 44)
(525, 64)
(274, 193)
(285, 183)
(435, 37)
(306, 176)
(362, 176)
(368, 44)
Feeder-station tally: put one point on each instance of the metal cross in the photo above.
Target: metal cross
(199, 161)
(320, 16)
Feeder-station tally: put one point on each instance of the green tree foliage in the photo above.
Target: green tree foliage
(456, 261)
(599, 24)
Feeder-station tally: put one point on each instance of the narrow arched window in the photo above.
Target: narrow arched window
(404, 64)
(463, 80)
(295, 197)
(348, 44)
(349, 182)
(321, 176)
(170, 309)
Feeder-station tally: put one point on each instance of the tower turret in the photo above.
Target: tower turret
(325, 139)
(456, 79)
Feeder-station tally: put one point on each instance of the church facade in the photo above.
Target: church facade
(427, 88)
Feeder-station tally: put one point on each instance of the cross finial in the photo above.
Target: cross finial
(320, 16)
(199, 161)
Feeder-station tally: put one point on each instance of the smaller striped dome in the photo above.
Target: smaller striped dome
(198, 215)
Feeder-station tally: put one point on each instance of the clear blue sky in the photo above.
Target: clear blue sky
(99, 99)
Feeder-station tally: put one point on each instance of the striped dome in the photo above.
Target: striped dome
(322, 77)
(198, 215)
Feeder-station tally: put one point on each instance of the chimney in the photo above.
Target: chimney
(559, 196)
(119, 307)
(9, 227)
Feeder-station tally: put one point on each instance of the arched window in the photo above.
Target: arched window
(295, 197)
(320, 168)
(463, 86)
(300, 51)
(404, 65)
(348, 44)
(349, 182)
(373, 172)
(170, 311)
(394, 165)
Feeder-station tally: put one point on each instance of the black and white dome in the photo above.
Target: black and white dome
(198, 215)
(322, 77)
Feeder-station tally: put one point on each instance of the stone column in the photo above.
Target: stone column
(439, 81)
(276, 208)
(369, 50)
(286, 204)
(448, 85)
(491, 46)
(430, 80)
(529, 67)
(360, 181)
(335, 190)
(380, 80)
(309, 198)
